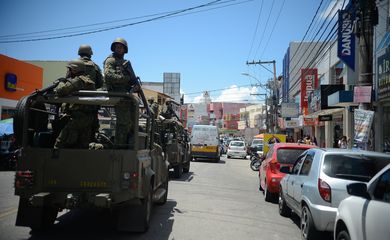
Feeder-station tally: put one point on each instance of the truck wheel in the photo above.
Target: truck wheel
(178, 170)
(186, 167)
(146, 206)
(37, 218)
(163, 200)
(217, 159)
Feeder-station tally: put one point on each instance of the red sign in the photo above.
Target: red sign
(309, 82)
(310, 121)
(362, 94)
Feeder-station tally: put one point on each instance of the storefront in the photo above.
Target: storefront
(18, 79)
(382, 121)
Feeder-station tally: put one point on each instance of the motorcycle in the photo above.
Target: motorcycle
(255, 159)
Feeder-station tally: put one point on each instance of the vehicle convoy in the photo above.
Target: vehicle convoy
(126, 180)
(175, 144)
(205, 142)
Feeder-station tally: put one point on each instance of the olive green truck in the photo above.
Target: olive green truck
(127, 180)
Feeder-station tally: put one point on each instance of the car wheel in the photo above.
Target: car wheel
(343, 235)
(308, 230)
(267, 194)
(284, 210)
(228, 156)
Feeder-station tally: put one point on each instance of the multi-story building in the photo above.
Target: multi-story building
(172, 85)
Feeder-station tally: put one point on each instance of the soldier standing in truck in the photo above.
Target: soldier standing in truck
(79, 128)
(119, 76)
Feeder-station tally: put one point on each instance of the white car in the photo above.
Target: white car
(236, 149)
(365, 214)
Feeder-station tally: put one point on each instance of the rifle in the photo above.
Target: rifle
(49, 88)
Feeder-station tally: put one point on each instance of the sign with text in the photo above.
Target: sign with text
(363, 122)
(309, 82)
(291, 123)
(384, 76)
(362, 94)
(324, 118)
(346, 38)
(290, 110)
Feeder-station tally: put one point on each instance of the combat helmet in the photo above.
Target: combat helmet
(121, 41)
(77, 66)
(85, 50)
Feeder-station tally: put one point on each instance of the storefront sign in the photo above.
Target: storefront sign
(290, 110)
(291, 123)
(346, 38)
(309, 82)
(363, 122)
(362, 94)
(10, 82)
(384, 76)
(323, 118)
(309, 121)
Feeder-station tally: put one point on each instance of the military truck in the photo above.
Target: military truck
(176, 146)
(126, 180)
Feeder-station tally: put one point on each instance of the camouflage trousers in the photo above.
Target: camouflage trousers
(123, 130)
(77, 132)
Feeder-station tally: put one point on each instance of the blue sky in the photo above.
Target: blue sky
(208, 46)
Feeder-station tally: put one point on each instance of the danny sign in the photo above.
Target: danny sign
(346, 39)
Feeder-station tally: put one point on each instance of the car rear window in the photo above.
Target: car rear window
(237, 144)
(353, 166)
(257, 141)
(288, 155)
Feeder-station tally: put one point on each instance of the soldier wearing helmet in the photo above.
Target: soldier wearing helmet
(92, 69)
(119, 76)
(153, 106)
(77, 131)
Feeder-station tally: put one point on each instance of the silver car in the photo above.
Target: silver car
(316, 184)
(236, 149)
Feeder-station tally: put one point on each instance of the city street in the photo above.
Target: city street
(212, 201)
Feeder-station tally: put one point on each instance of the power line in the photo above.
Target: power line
(255, 33)
(265, 28)
(273, 28)
(159, 17)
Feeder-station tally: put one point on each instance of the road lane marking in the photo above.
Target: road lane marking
(8, 212)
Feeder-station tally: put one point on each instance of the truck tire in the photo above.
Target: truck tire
(178, 170)
(186, 167)
(163, 200)
(37, 218)
(146, 210)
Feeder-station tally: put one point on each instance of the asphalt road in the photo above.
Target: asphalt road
(212, 201)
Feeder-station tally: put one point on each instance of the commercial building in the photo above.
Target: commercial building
(18, 79)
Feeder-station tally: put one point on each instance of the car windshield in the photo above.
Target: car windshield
(237, 144)
(257, 141)
(288, 155)
(353, 166)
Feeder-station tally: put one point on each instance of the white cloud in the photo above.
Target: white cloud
(237, 94)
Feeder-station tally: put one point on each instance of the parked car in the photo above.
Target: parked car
(257, 144)
(365, 214)
(236, 149)
(316, 185)
(279, 154)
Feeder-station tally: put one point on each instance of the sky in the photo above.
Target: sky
(207, 41)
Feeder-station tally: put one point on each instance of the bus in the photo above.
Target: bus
(205, 142)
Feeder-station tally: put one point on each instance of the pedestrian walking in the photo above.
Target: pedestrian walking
(343, 142)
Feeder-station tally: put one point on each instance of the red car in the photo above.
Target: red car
(279, 154)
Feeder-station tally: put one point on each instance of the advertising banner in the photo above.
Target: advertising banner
(362, 94)
(384, 76)
(309, 82)
(363, 122)
(271, 139)
(346, 38)
(290, 110)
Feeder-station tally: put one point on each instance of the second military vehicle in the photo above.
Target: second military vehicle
(127, 180)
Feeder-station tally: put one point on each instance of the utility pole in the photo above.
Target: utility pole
(367, 18)
(274, 104)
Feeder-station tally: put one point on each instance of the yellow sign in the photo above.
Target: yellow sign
(204, 148)
(271, 139)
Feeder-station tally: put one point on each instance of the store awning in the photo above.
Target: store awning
(329, 111)
(341, 98)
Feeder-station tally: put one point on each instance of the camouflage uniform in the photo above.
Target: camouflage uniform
(77, 131)
(119, 77)
(93, 72)
(154, 107)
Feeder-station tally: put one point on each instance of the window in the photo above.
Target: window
(307, 165)
(288, 155)
(382, 190)
(354, 166)
(297, 166)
